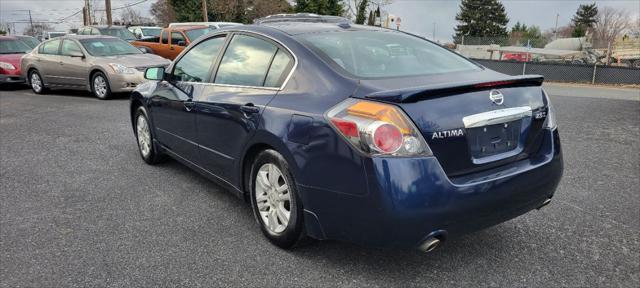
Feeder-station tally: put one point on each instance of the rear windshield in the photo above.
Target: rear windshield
(13, 46)
(108, 47)
(382, 54)
(121, 33)
(196, 33)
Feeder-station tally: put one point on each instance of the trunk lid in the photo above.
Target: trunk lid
(479, 121)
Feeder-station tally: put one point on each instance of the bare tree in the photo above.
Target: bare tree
(163, 12)
(259, 8)
(130, 16)
(611, 24)
(37, 29)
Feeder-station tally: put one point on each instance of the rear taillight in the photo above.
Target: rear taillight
(377, 128)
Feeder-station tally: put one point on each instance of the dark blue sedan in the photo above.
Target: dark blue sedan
(352, 133)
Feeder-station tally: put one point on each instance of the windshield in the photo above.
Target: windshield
(13, 46)
(108, 47)
(195, 33)
(121, 33)
(151, 32)
(30, 41)
(382, 54)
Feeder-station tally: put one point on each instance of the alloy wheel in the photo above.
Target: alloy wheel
(144, 136)
(36, 82)
(100, 86)
(273, 198)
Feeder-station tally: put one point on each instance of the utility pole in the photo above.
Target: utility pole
(87, 6)
(433, 37)
(555, 32)
(31, 23)
(107, 8)
(205, 16)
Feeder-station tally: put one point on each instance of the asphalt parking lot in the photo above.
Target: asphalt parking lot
(78, 207)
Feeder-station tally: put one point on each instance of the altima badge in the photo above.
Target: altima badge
(496, 96)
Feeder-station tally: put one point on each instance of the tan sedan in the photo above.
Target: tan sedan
(100, 64)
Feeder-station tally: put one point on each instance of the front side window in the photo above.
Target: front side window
(165, 37)
(246, 61)
(70, 47)
(382, 54)
(50, 47)
(195, 64)
(108, 47)
(176, 37)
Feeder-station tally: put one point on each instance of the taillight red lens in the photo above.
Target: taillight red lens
(348, 128)
(387, 138)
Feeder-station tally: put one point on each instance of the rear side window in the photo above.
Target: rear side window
(195, 64)
(50, 47)
(165, 37)
(383, 54)
(246, 61)
(279, 69)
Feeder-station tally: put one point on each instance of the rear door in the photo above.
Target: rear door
(48, 61)
(172, 107)
(248, 76)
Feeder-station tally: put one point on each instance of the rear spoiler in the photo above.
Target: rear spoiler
(413, 94)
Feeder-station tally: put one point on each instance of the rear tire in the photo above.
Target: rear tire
(275, 201)
(146, 144)
(100, 86)
(36, 82)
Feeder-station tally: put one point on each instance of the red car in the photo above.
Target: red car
(11, 50)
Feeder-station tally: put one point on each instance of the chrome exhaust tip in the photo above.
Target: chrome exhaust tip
(429, 245)
(545, 203)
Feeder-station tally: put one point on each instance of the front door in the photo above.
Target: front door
(173, 109)
(73, 70)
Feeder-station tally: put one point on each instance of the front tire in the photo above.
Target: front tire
(144, 137)
(100, 86)
(275, 201)
(36, 82)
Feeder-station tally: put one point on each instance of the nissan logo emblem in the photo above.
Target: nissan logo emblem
(496, 97)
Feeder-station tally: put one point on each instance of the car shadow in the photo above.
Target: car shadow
(84, 94)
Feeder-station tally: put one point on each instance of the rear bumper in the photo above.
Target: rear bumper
(409, 198)
(17, 78)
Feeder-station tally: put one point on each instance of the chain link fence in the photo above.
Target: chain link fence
(563, 72)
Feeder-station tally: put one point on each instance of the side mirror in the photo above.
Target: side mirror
(182, 43)
(76, 54)
(154, 73)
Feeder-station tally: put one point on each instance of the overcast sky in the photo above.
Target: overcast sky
(418, 16)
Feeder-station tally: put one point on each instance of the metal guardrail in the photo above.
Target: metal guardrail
(577, 73)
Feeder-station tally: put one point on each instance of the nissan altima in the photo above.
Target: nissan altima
(352, 133)
(100, 64)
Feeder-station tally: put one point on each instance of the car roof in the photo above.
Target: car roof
(78, 37)
(186, 28)
(105, 26)
(298, 28)
(12, 37)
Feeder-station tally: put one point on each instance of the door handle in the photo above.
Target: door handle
(188, 105)
(250, 108)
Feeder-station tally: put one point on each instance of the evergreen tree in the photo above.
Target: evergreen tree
(335, 8)
(361, 16)
(519, 27)
(372, 19)
(481, 18)
(187, 10)
(585, 18)
(320, 7)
